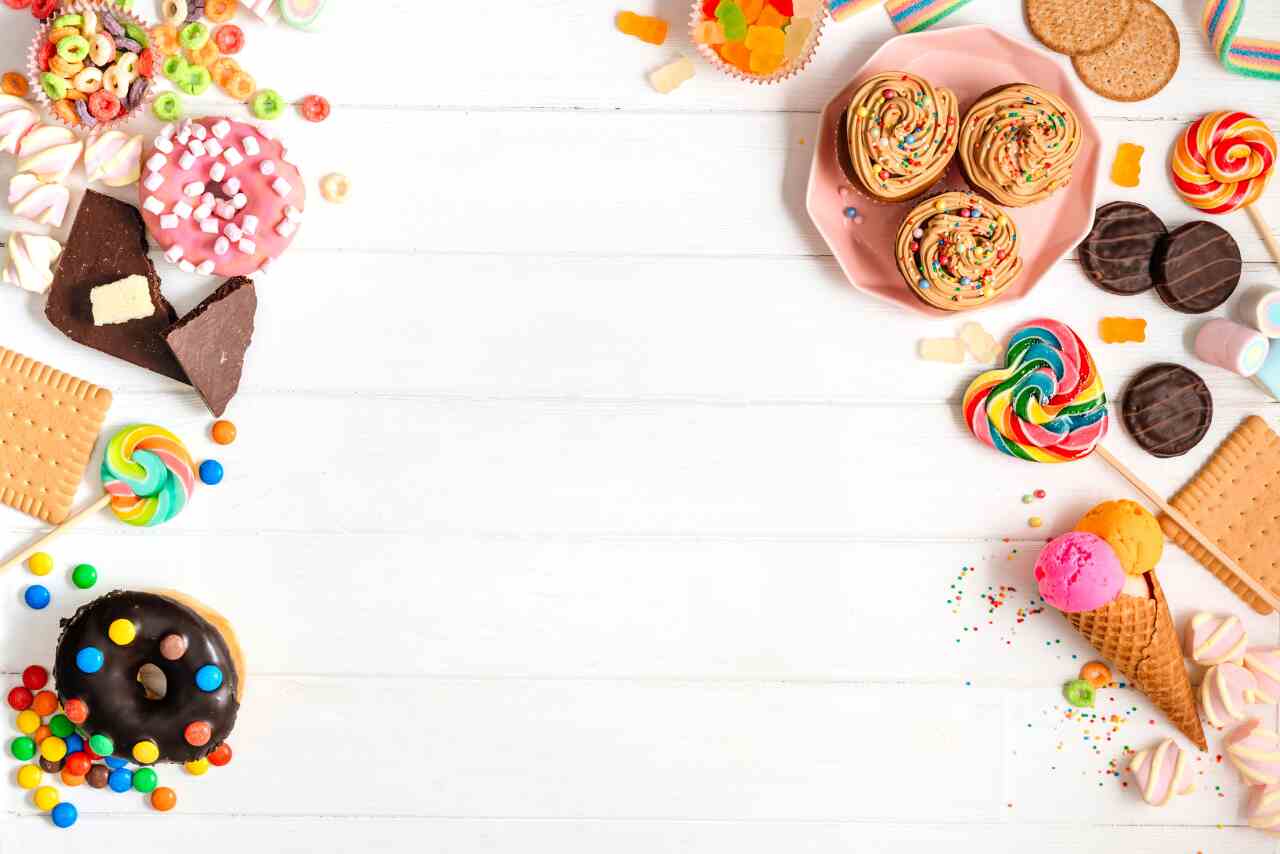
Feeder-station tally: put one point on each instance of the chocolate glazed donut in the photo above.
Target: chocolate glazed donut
(171, 633)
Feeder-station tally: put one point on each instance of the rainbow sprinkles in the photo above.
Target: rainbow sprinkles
(1240, 54)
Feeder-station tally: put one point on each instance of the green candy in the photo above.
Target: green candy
(175, 68)
(22, 748)
(71, 20)
(145, 780)
(267, 104)
(137, 33)
(1079, 693)
(73, 48)
(194, 36)
(196, 80)
(61, 726)
(733, 19)
(54, 86)
(84, 576)
(124, 4)
(101, 744)
(167, 107)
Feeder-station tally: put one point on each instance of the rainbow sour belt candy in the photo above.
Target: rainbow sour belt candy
(1240, 54)
(842, 10)
(149, 475)
(912, 16)
(1046, 404)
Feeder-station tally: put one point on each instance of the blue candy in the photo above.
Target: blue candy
(121, 780)
(64, 814)
(211, 472)
(89, 659)
(37, 596)
(75, 743)
(114, 762)
(209, 678)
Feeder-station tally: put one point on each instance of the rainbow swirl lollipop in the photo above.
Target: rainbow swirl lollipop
(149, 475)
(1223, 161)
(1046, 404)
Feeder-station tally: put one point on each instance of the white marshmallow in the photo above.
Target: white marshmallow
(173, 254)
(194, 189)
(249, 224)
(153, 205)
(168, 222)
(282, 187)
(218, 171)
(251, 146)
(248, 247)
(221, 246)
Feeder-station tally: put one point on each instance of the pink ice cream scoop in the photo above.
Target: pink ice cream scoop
(1079, 571)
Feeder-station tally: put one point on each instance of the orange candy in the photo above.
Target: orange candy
(164, 798)
(752, 9)
(42, 732)
(223, 70)
(242, 86)
(224, 432)
(76, 710)
(45, 703)
(206, 56)
(1127, 168)
(736, 54)
(643, 27)
(1096, 673)
(1119, 330)
(63, 110)
(71, 779)
(13, 83)
(220, 11)
(164, 39)
(62, 68)
(771, 17)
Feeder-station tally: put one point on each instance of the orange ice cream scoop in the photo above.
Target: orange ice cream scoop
(1131, 531)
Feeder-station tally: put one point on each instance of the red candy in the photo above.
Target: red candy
(104, 105)
(43, 8)
(220, 755)
(17, 4)
(147, 63)
(76, 710)
(314, 108)
(35, 677)
(198, 734)
(47, 51)
(229, 38)
(78, 764)
(785, 7)
(709, 8)
(20, 699)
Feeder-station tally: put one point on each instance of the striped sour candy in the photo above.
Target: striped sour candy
(1046, 404)
(149, 475)
(1241, 54)
(1223, 161)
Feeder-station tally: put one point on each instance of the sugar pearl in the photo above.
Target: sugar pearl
(153, 205)
(173, 254)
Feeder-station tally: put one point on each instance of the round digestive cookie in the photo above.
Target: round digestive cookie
(1018, 143)
(159, 674)
(1077, 26)
(957, 251)
(219, 197)
(1116, 256)
(1197, 268)
(1138, 64)
(900, 134)
(1167, 409)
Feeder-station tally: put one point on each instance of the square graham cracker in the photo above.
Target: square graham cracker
(1235, 499)
(49, 422)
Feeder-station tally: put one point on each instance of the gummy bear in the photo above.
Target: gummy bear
(708, 32)
(950, 350)
(764, 64)
(1127, 167)
(752, 9)
(1119, 330)
(736, 54)
(771, 17)
(785, 7)
(979, 342)
(669, 77)
(766, 40)
(643, 27)
(733, 20)
(709, 8)
(797, 38)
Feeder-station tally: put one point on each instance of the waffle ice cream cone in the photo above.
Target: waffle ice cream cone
(1137, 636)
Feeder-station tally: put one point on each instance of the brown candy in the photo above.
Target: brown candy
(173, 647)
(97, 776)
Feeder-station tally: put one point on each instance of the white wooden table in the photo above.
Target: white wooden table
(580, 505)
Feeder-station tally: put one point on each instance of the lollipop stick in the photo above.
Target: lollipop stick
(1264, 230)
(1176, 515)
(39, 544)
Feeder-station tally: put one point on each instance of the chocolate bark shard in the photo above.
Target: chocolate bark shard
(109, 242)
(211, 341)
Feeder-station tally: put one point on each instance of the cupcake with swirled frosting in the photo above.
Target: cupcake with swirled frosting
(957, 251)
(901, 135)
(1018, 143)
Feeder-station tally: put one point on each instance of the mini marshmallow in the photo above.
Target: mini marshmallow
(293, 214)
(251, 146)
(153, 205)
(232, 156)
(157, 161)
(208, 199)
(233, 232)
(209, 225)
(196, 147)
(221, 246)
(186, 266)
(231, 187)
(168, 222)
(267, 167)
(213, 147)
(226, 210)
(249, 224)
(187, 160)
(218, 171)
(173, 254)
(200, 131)
(154, 181)
(282, 187)
(184, 136)
(248, 247)
(221, 129)
(239, 201)
(182, 209)
(163, 144)
(206, 268)
(286, 228)
(194, 189)
(168, 130)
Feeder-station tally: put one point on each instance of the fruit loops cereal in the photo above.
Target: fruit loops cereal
(94, 66)
(13, 83)
(757, 37)
(335, 188)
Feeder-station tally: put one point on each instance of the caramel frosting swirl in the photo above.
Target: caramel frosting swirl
(902, 134)
(1017, 144)
(957, 251)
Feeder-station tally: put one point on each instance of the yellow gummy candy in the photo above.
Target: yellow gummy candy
(1127, 168)
(709, 32)
(669, 77)
(797, 38)
(950, 350)
(767, 40)
(1120, 330)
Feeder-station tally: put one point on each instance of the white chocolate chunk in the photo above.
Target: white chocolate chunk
(121, 301)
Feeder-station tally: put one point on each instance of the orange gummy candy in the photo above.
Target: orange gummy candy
(752, 9)
(1119, 330)
(771, 17)
(1128, 164)
(736, 54)
(643, 27)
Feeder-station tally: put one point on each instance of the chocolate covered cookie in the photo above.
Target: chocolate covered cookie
(1197, 267)
(1116, 256)
(1167, 409)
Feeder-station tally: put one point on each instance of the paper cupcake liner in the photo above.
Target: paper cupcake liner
(784, 73)
(34, 71)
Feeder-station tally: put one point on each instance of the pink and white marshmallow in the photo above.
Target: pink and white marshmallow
(1162, 772)
(1264, 808)
(1216, 640)
(1226, 691)
(1255, 752)
(16, 118)
(1264, 663)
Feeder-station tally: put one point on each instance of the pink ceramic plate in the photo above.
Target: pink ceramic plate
(969, 61)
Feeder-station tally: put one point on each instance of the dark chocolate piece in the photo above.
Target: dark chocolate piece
(118, 706)
(1197, 268)
(1116, 256)
(109, 242)
(1167, 409)
(211, 341)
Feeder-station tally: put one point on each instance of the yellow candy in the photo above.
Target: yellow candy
(767, 40)
(46, 798)
(40, 563)
(53, 748)
(122, 632)
(29, 776)
(764, 64)
(28, 722)
(939, 205)
(863, 112)
(198, 767)
(146, 752)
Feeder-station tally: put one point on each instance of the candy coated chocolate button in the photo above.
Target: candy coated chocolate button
(77, 711)
(64, 815)
(198, 733)
(101, 744)
(122, 632)
(61, 726)
(29, 776)
(35, 677)
(121, 780)
(37, 597)
(224, 432)
(84, 576)
(163, 799)
(145, 752)
(198, 767)
(22, 748)
(46, 798)
(78, 764)
(40, 563)
(97, 776)
(89, 659)
(114, 762)
(173, 647)
(20, 699)
(209, 678)
(145, 780)
(220, 755)
(211, 472)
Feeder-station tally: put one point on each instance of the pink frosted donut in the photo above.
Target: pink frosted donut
(1215, 640)
(218, 196)
(1264, 663)
(1226, 690)
(1162, 772)
(1255, 752)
